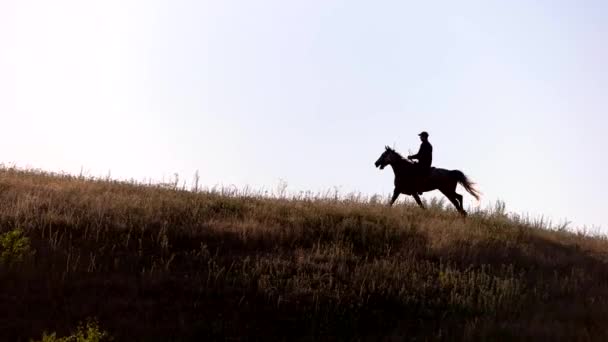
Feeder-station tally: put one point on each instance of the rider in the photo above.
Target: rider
(424, 156)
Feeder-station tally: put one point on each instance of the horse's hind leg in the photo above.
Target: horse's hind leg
(456, 200)
(460, 200)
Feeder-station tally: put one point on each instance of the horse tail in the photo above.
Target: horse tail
(466, 183)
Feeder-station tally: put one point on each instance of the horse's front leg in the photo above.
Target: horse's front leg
(417, 198)
(395, 195)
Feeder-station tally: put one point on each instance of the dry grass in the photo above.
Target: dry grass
(152, 263)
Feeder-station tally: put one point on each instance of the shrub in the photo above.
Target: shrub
(14, 247)
(89, 333)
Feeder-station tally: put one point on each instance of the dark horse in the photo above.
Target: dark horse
(438, 179)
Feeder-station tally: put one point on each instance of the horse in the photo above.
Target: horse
(438, 179)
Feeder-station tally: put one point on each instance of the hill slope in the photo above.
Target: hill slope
(152, 263)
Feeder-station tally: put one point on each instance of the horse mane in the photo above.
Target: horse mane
(399, 155)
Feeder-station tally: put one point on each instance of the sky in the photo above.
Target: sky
(254, 93)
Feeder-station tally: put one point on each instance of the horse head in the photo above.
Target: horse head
(386, 158)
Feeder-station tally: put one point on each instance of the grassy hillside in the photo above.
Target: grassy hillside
(151, 263)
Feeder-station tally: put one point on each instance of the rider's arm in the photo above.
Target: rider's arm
(417, 155)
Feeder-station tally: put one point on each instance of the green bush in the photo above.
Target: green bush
(14, 248)
(89, 333)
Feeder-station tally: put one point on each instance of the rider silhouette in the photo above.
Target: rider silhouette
(424, 156)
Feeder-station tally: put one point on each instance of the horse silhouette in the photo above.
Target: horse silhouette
(408, 183)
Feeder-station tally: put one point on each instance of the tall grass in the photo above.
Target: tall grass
(158, 262)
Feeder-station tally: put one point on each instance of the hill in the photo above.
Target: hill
(155, 263)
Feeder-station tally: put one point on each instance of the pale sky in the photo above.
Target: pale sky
(513, 93)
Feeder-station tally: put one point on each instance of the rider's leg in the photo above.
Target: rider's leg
(423, 172)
